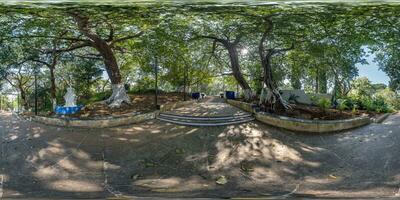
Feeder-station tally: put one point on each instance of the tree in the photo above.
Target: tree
(228, 31)
(19, 75)
(101, 32)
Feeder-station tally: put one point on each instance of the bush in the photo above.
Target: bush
(293, 98)
(375, 104)
(324, 103)
(364, 95)
(390, 97)
(380, 105)
(101, 96)
(342, 104)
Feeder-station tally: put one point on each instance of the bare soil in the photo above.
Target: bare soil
(141, 103)
(311, 112)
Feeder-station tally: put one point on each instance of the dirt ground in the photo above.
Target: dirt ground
(210, 106)
(302, 111)
(313, 112)
(161, 159)
(141, 103)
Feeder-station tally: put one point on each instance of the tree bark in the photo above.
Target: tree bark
(119, 94)
(235, 66)
(231, 47)
(317, 82)
(295, 82)
(23, 98)
(270, 95)
(323, 83)
(53, 88)
(295, 77)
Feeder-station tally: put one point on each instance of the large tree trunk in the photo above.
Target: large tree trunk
(24, 101)
(295, 82)
(295, 77)
(235, 67)
(270, 93)
(316, 87)
(119, 94)
(53, 88)
(323, 83)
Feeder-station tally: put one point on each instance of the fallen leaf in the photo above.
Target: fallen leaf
(179, 151)
(246, 167)
(221, 180)
(134, 177)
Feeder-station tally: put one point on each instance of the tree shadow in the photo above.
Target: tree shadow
(162, 159)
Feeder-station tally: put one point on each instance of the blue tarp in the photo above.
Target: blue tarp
(195, 95)
(61, 110)
(230, 94)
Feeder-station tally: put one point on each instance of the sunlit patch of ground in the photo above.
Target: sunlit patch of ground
(161, 159)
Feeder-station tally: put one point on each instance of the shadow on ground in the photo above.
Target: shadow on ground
(161, 159)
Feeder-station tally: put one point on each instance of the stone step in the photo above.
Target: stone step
(210, 120)
(215, 122)
(205, 118)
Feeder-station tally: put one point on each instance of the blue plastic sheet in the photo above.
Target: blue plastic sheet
(230, 94)
(61, 110)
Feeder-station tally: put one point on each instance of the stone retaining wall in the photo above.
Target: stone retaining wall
(125, 119)
(313, 126)
(96, 123)
(242, 105)
(302, 125)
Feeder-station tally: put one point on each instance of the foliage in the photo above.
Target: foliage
(293, 98)
(100, 96)
(377, 104)
(389, 97)
(329, 41)
(365, 95)
(361, 88)
(342, 104)
(324, 103)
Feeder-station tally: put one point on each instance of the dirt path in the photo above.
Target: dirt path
(210, 106)
(161, 159)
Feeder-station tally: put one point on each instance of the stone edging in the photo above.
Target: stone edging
(312, 126)
(303, 125)
(381, 118)
(95, 123)
(242, 105)
(106, 122)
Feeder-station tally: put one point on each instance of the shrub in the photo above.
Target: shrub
(324, 103)
(377, 104)
(95, 98)
(314, 99)
(390, 97)
(380, 105)
(293, 98)
(368, 104)
(342, 104)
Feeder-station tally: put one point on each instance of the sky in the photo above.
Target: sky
(372, 71)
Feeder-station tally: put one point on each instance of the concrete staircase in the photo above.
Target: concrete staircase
(187, 120)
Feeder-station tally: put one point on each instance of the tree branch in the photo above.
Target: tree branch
(278, 51)
(71, 48)
(126, 38)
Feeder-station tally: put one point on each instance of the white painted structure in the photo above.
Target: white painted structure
(70, 97)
